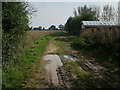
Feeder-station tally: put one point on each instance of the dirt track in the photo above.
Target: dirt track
(100, 76)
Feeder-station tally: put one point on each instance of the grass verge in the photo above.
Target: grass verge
(79, 77)
(17, 72)
(103, 55)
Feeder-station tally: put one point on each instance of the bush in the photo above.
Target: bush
(18, 73)
(15, 24)
(104, 37)
(80, 43)
(105, 46)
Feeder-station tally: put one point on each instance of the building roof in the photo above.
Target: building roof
(99, 23)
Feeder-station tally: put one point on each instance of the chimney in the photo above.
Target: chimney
(119, 12)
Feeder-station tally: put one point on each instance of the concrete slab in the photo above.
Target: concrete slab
(54, 62)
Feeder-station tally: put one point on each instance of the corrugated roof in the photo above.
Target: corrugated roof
(99, 23)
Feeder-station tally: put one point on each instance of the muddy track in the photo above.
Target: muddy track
(100, 71)
(104, 75)
(64, 81)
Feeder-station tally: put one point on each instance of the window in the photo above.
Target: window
(93, 30)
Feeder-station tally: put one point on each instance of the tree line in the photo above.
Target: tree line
(91, 13)
(52, 27)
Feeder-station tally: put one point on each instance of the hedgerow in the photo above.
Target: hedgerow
(14, 26)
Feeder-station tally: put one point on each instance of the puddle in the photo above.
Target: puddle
(53, 63)
(67, 44)
(69, 57)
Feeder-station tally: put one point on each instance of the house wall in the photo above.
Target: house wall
(88, 30)
(93, 30)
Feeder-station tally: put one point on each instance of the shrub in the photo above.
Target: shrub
(15, 24)
(104, 37)
(80, 43)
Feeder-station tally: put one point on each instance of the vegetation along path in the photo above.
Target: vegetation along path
(65, 67)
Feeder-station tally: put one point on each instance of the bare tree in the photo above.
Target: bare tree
(108, 13)
(75, 12)
(96, 9)
(79, 10)
(118, 13)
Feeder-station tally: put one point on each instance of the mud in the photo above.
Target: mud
(64, 80)
(58, 76)
(101, 72)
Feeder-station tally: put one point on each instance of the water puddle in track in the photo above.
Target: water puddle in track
(69, 58)
(57, 77)
(53, 63)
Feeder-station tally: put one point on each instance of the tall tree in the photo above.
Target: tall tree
(40, 27)
(84, 14)
(79, 10)
(75, 12)
(52, 27)
(61, 27)
(96, 9)
(108, 13)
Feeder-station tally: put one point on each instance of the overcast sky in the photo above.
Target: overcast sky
(55, 13)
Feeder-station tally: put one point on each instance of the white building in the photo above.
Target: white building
(91, 26)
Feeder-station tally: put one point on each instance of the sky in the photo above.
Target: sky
(56, 13)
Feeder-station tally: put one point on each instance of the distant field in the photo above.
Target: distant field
(36, 34)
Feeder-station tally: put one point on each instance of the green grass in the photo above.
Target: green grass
(81, 78)
(105, 56)
(17, 72)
